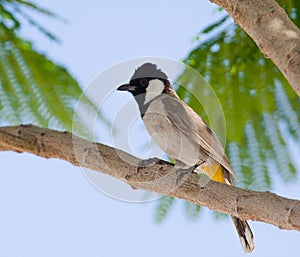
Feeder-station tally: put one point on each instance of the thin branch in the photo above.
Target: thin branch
(160, 178)
(274, 33)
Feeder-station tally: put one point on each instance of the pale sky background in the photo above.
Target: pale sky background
(48, 208)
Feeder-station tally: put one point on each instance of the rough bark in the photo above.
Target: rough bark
(160, 178)
(275, 34)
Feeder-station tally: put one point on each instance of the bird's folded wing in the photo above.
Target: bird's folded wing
(189, 123)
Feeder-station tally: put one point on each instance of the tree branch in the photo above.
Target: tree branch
(160, 178)
(274, 33)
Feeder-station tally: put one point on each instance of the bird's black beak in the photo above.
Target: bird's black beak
(126, 87)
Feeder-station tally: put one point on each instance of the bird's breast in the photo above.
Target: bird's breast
(168, 137)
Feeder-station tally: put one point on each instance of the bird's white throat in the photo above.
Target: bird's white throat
(154, 89)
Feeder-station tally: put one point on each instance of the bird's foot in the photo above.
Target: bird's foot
(150, 162)
(182, 173)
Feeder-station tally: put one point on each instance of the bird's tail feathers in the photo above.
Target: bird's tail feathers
(245, 234)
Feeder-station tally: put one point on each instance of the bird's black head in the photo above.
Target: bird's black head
(147, 83)
(146, 79)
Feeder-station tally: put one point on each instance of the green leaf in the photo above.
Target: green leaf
(164, 205)
(192, 210)
(214, 25)
(261, 109)
(257, 102)
(12, 10)
(33, 89)
(32, 6)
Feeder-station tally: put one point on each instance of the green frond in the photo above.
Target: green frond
(32, 6)
(219, 215)
(163, 208)
(37, 25)
(14, 12)
(192, 210)
(33, 89)
(257, 101)
(8, 19)
(215, 25)
(261, 110)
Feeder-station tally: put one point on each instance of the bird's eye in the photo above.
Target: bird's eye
(144, 82)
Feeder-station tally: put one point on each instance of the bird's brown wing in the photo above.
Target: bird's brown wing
(188, 122)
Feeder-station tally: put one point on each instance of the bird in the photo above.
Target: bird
(181, 133)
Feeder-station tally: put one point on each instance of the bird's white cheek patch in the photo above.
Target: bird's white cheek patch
(154, 89)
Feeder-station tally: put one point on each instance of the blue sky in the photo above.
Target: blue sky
(48, 206)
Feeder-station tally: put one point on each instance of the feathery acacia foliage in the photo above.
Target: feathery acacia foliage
(258, 103)
(33, 89)
(164, 205)
(261, 110)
